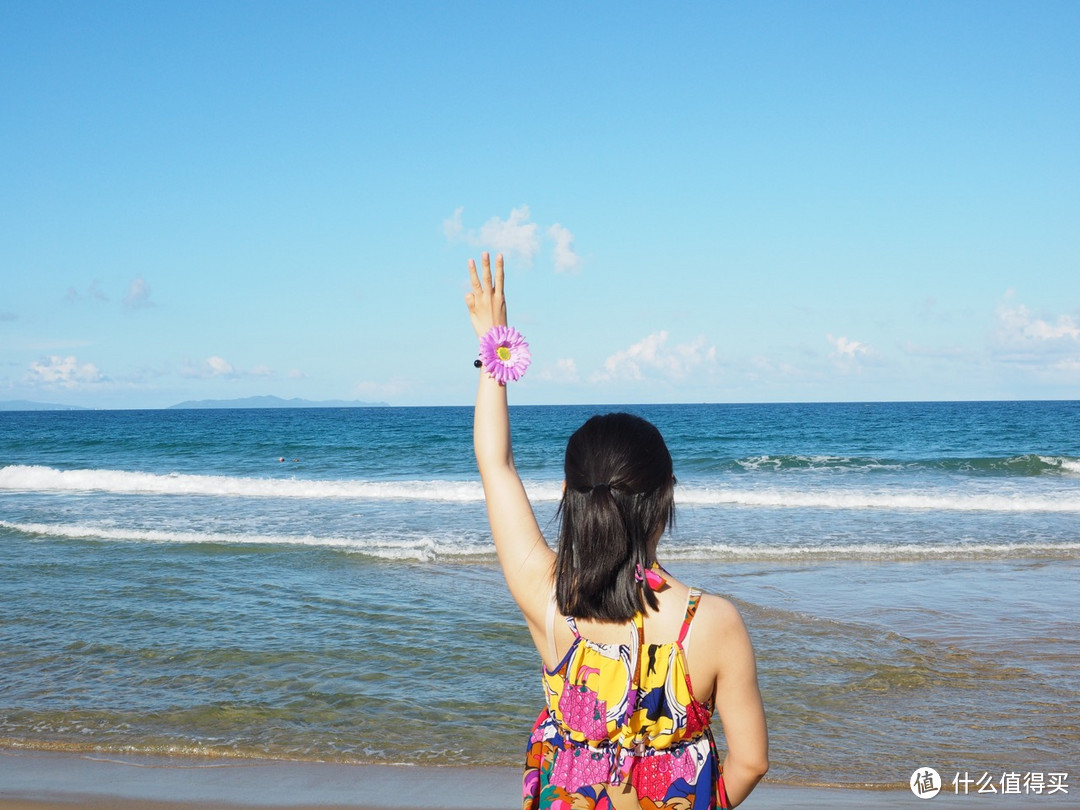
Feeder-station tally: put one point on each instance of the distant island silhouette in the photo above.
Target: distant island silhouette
(27, 405)
(243, 402)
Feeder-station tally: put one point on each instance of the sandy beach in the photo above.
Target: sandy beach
(47, 779)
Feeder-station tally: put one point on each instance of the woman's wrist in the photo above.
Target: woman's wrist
(504, 354)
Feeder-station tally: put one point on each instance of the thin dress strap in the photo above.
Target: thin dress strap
(551, 627)
(573, 626)
(634, 693)
(692, 599)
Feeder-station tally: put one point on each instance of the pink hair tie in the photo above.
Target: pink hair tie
(650, 577)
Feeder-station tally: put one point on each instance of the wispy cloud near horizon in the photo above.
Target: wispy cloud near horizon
(216, 366)
(1022, 337)
(847, 349)
(652, 357)
(67, 372)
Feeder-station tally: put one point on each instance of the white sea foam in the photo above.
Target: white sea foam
(411, 546)
(46, 479)
(1067, 465)
(869, 551)
(17, 478)
(815, 462)
(423, 547)
(855, 498)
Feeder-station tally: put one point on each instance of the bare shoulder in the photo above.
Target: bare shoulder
(719, 619)
(719, 613)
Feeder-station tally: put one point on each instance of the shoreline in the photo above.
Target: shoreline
(51, 780)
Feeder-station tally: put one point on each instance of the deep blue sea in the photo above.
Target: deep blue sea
(320, 583)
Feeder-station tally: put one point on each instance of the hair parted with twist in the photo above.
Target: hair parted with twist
(619, 497)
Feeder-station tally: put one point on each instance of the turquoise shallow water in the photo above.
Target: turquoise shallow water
(907, 572)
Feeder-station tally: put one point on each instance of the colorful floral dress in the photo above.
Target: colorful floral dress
(618, 713)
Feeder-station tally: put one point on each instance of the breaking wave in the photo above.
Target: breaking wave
(849, 495)
(463, 547)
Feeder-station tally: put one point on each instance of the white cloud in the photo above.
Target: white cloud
(220, 367)
(63, 372)
(651, 356)
(565, 370)
(1042, 343)
(565, 257)
(846, 349)
(297, 374)
(515, 237)
(1017, 326)
(213, 366)
(138, 295)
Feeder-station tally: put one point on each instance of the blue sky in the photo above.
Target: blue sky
(806, 201)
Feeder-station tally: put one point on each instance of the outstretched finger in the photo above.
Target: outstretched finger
(499, 275)
(475, 279)
(486, 258)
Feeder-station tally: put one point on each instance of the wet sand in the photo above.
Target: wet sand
(46, 780)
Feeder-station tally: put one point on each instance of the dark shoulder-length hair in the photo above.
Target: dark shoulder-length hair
(618, 499)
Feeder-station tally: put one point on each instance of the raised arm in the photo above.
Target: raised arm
(526, 560)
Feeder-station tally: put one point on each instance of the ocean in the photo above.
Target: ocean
(319, 584)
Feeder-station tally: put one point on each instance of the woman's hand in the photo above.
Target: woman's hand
(487, 306)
